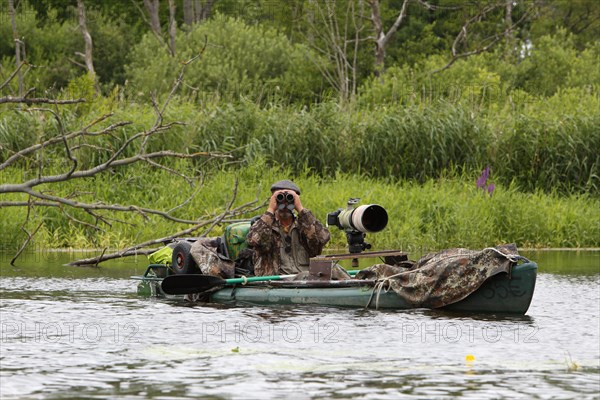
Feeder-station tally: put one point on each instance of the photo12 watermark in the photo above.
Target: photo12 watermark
(465, 332)
(68, 332)
(289, 332)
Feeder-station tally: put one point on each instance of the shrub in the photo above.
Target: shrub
(239, 61)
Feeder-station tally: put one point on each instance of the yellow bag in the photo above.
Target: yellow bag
(161, 256)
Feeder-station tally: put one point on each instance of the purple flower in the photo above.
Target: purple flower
(486, 173)
(482, 181)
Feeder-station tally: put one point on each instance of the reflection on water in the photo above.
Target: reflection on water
(82, 332)
(566, 262)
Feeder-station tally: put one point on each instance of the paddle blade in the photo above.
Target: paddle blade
(190, 283)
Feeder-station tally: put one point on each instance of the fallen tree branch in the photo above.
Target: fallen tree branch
(140, 249)
(13, 74)
(38, 100)
(25, 243)
(116, 152)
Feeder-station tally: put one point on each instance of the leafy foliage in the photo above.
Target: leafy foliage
(240, 61)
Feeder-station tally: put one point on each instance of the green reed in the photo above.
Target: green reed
(535, 146)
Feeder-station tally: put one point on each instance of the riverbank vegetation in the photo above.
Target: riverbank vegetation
(440, 213)
(269, 91)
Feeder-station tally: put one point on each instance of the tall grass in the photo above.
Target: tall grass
(527, 148)
(442, 213)
(542, 149)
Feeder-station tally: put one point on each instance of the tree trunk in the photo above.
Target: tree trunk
(11, 11)
(172, 27)
(203, 11)
(87, 38)
(152, 6)
(508, 22)
(382, 38)
(189, 16)
(379, 37)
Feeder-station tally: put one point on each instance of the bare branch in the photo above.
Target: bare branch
(80, 222)
(491, 40)
(13, 74)
(24, 245)
(29, 235)
(123, 154)
(139, 248)
(23, 100)
(170, 170)
(143, 211)
(72, 135)
(225, 212)
(26, 203)
(189, 199)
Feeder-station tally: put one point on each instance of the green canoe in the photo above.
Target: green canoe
(502, 293)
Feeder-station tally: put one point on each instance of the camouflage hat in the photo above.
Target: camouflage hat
(285, 185)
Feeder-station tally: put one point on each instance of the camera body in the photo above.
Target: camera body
(357, 222)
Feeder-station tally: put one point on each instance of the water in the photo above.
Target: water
(84, 333)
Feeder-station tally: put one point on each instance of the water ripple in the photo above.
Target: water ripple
(95, 338)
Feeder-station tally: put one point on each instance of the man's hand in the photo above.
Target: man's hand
(273, 201)
(297, 202)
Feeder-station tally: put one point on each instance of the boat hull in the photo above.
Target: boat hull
(499, 294)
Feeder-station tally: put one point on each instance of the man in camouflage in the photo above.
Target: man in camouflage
(283, 242)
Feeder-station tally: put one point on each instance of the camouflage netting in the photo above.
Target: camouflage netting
(443, 278)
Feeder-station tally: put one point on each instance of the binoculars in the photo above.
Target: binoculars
(285, 197)
(285, 200)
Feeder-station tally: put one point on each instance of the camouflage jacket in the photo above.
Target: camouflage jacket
(279, 252)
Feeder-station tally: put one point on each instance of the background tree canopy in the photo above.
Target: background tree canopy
(266, 77)
(301, 87)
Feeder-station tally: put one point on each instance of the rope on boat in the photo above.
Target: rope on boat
(509, 257)
(379, 287)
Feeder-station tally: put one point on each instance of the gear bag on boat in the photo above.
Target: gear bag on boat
(226, 256)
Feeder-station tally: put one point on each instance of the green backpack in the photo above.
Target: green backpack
(235, 238)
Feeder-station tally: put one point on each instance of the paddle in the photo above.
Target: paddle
(196, 283)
